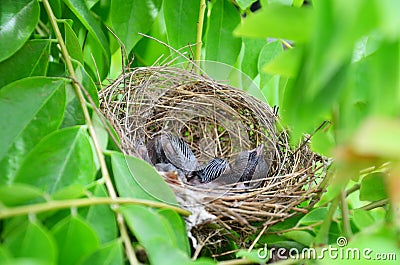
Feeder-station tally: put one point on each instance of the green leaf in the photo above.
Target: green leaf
(315, 216)
(84, 15)
(181, 22)
(273, 22)
(244, 4)
(70, 192)
(17, 194)
(268, 53)
(302, 237)
(155, 234)
(31, 60)
(34, 241)
(87, 82)
(62, 159)
(362, 218)
(373, 187)
(109, 254)
(131, 17)
(75, 240)
(30, 109)
(101, 218)
(256, 255)
(137, 179)
(18, 19)
(178, 228)
(72, 43)
(252, 49)
(221, 45)
(284, 63)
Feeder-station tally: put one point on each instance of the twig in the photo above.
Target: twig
(57, 205)
(103, 166)
(374, 205)
(200, 24)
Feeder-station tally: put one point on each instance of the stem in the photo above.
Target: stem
(105, 175)
(200, 24)
(322, 236)
(345, 214)
(57, 205)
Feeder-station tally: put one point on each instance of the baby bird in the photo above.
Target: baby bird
(214, 169)
(171, 149)
(250, 166)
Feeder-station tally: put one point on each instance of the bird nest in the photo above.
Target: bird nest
(215, 120)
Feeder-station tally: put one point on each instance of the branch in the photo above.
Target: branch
(58, 205)
(105, 175)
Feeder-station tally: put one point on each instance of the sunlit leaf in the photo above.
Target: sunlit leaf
(244, 4)
(17, 21)
(273, 22)
(137, 179)
(30, 109)
(362, 218)
(17, 194)
(302, 237)
(316, 215)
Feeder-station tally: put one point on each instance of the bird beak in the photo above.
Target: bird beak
(259, 149)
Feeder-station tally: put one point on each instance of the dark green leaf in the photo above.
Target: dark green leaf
(221, 45)
(131, 17)
(373, 187)
(18, 19)
(30, 109)
(109, 254)
(17, 194)
(273, 22)
(72, 43)
(88, 84)
(83, 13)
(137, 179)
(101, 218)
(315, 216)
(31, 60)
(75, 240)
(34, 241)
(62, 159)
(181, 18)
(252, 49)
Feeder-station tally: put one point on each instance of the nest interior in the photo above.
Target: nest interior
(215, 120)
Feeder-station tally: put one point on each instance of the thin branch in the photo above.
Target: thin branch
(345, 214)
(374, 205)
(200, 25)
(106, 177)
(58, 205)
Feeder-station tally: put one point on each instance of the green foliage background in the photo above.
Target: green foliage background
(69, 196)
